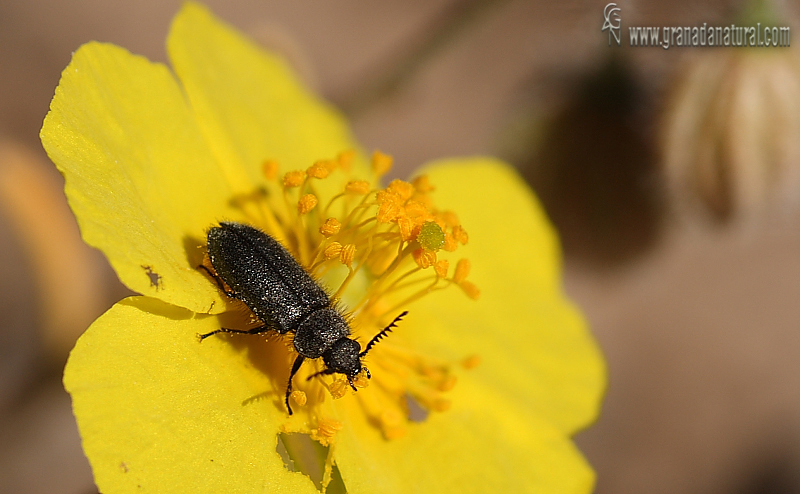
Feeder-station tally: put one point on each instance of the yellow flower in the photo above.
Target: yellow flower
(478, 396)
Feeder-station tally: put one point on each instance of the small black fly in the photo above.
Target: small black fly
(253, 267)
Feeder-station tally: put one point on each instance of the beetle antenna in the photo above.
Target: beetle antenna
(382, 334)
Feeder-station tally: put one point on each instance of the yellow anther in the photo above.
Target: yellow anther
(329, 427)
(449, 218)
(330, 227)
(320, 169)
(406, 228)
(447, 383)
(361, 381)
(462, 270)
(294, 179)
(424, 258)
(395, 433)
(441, 404)
(338, 388)
(381, 163)
(423, 184)
(299, 397)
(471, 362)
(332, 251)
(391, 418)
(432, 371)
(306, 203)
(326, 430)
(348, 254)
(417, 210)
(358, 187)
(470, 289)
(402, 188)
(441, 268)
(345, 159)
(450, 242)
(388, 210)
(270, 169)
(460, 234)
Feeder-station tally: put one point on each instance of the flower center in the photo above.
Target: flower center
(378, 250)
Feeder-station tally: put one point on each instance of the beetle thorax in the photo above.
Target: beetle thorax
(319, 331)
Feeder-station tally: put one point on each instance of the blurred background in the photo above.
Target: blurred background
(673, 177)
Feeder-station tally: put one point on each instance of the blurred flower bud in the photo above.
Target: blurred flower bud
(732, 133)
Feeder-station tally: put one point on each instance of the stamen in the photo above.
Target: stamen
(345, 159)
(460, 234)
(294, 179)
(470, 289)
(403, 189)
(389, 207)
(450, 243)
(361, 381)
(424, 258)
(326, 430)
(450, 219)
(462, 270)
(348, 254)
(423, 184)
(320, 169)
(299, 397)
(406, 226)
(381, 163)
(430, 398)
(330, 228)
(306, 203)
(441, 268)
(339, 388)
(447, 384)
(392, 423)
(471, 362)
(270, 169)
(416, 210)
(332, 251)
(358, 187)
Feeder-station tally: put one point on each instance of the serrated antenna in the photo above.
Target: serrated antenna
(385, 331)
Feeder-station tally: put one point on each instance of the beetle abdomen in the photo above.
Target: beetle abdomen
(264, 275)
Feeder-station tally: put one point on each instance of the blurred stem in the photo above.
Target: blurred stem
(440, 31)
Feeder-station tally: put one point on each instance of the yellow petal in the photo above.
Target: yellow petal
(533, 343)
(249, 104)
(160, 411)
(139, 177)
(482, 444)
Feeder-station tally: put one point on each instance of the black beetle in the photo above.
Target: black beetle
(260, 272)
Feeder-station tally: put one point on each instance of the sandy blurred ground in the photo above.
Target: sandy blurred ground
(698, 321)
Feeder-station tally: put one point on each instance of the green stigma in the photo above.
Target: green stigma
(431, 236)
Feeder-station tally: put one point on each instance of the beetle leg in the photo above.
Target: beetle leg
(219, 282)
(320, 373)
(295, 367)
(256, 330)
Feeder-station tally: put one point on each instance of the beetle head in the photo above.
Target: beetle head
(343, 357)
